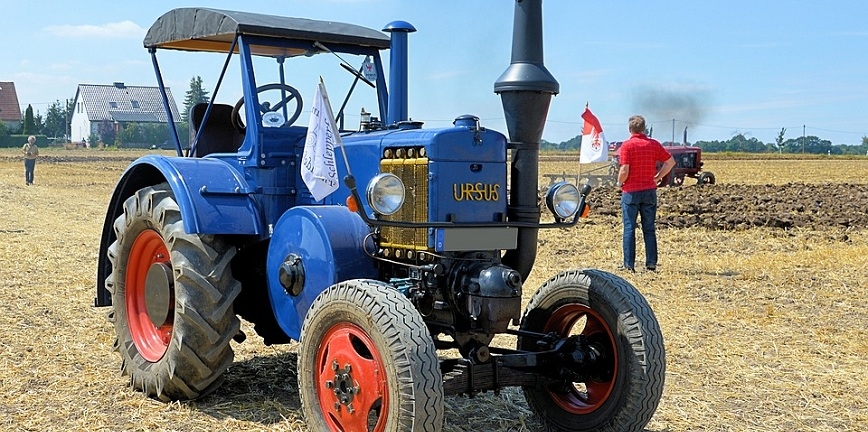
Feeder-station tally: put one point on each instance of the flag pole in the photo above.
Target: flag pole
(580, 147)
(338, 132)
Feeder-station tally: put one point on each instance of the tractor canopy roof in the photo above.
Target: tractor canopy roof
(203, 29)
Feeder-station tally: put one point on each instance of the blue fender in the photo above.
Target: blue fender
(212, 195)
(330, 242)
(214, 198)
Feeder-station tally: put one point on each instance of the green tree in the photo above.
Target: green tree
(183, 129)
(155, 133)
(30, 126)
(129, 135)
(810, 144)
(144, 135)
(107, 133)
(94, 140)
(738, 143)
(40, 123)
(56, 119)
(196, 94)
(779, 141)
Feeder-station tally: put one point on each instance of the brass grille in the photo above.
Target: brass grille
(411, 166)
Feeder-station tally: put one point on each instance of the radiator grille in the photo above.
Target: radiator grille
(410, 164)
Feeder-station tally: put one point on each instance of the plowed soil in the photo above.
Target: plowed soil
(739, 207)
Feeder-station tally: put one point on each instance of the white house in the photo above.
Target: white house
(119, 104)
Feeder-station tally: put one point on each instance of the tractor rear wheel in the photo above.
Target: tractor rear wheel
(368, 363)
(172, 295)
(612, 317)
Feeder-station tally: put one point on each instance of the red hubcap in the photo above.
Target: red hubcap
(573, 319)
(351, 382)
(151, 339)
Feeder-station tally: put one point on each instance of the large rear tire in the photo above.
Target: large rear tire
(172, 296)
(368, 363)
(613, 317)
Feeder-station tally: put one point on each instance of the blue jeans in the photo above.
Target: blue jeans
(641, 204)
(29, 165)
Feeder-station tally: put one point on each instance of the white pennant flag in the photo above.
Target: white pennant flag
(318, 168)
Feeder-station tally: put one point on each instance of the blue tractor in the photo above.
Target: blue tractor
(397, 280)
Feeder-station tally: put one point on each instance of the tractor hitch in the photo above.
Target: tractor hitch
(572, 359)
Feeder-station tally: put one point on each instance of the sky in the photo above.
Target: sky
(717, 68)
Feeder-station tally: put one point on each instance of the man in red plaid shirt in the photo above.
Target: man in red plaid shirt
(638, 178)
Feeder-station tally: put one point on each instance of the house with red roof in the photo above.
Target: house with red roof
(10, 109)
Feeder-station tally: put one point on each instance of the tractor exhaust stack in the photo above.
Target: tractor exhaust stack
(398, 81)
(525, 89)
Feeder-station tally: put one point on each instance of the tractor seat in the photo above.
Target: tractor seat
(218, 135)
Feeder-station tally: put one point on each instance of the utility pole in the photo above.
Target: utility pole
(68, 126)
(803, 139)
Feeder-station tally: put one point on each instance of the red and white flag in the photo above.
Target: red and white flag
(594, 146)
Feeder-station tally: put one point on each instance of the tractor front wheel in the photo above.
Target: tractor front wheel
(624, 386)
(705, 178)
(368, 363)
(172, 296)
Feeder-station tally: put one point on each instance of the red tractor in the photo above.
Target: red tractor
(688, 163)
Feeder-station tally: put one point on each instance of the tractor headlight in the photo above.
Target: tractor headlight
(562, 199)
(385, 193)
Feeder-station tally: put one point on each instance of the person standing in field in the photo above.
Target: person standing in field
(31, 152)
(638, 177)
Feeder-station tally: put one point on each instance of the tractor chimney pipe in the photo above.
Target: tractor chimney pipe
(398, 81)
(525, 89)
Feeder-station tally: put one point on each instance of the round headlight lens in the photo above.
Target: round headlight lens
(385, 193)
(562, 199)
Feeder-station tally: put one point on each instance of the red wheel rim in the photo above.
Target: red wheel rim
(151, 340)
(572, 319)
(351, 382)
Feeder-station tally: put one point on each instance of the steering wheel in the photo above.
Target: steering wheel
(291, 95)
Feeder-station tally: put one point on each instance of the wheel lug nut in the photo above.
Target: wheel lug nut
(329, 384)
(334, 365)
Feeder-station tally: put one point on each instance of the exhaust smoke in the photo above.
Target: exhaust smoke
(688, 105)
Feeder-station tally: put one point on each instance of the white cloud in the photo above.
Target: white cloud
(123, 29)
(586, 76)
(858, 33)
(447, 75)
(60, 67)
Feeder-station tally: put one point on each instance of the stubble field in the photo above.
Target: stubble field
(761, 294)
